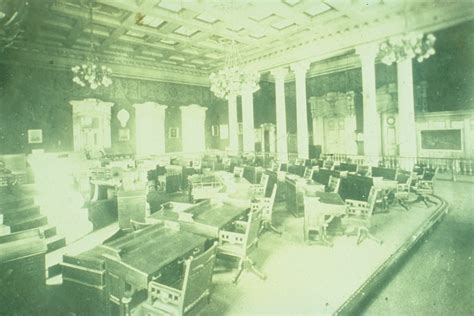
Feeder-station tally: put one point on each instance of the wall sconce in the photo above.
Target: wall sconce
(359, 137)
(123, 116)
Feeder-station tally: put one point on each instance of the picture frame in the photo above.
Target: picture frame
(124, 135)
(35, 136)
(442, 139)
(173, 132)
(215, 130)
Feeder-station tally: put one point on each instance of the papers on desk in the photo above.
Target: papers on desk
(185, 217)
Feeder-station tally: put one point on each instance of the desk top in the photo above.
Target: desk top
(214, 214)
(328, 197)
(140, 255)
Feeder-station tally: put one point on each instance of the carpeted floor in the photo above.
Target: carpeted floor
(438, 279)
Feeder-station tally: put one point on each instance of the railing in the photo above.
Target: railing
(453, 167)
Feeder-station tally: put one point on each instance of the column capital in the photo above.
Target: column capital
(279, 73)
(150, 105)
(300, 67)
(193, 107)
(368, 52)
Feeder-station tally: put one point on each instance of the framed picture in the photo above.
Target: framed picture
(442, 139)
(124, 135)
(35, 136)
(173, 132)
(215, 130)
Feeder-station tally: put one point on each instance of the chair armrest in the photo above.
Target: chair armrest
(356, 204)
(164, 293)
(240, 226)
(231, 237)
(261, 200)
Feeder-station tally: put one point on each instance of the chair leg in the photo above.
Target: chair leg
(239, 272)
(402, 204)
(370, 236)
(255, 270)
(273, 228)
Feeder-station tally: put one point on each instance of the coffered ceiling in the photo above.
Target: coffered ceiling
(189, 36)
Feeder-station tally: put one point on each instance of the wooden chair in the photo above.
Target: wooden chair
(424, 186)
(363, 170)
(359, 215)
(166, 300)
(333, 184)
(266, 205)
(404, 180)
(309, 171)
(238, 245)
(238, 172)
(197, 165)
(328, 164)
(258, 190)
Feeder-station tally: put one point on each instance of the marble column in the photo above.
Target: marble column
(302, 135)
(372, 134)
(248, 120)
(193, 118)
(150, 128)
(406, 114)
(233, 124)
(281, 137)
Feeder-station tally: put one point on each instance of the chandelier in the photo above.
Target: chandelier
(412, 45)
(233, 78)
(90, 73)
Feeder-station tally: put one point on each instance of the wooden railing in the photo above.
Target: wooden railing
(453, 167)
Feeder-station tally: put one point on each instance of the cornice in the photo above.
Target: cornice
(64, 59)
(424, 18)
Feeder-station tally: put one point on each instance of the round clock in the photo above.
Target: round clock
(390, 120)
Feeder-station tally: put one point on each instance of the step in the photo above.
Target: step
(4, 230)
(8, 203)
(48, 230)
(12, 216)
(29, 223)
(55, 242)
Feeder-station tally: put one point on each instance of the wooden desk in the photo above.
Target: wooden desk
(296, 188)
(208, 217)
(326, 206)
(128, 259)
(155, 252)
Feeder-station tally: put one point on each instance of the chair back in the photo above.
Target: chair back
(197, 164)
(333, 184)
(196, 283)
(238, 172)
(363, 170)
(308, 173)
(371, 201)
(253, 227)
(264, 181)
(267, 207)
(328, 164)
(198, 277)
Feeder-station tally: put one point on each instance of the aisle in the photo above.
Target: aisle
(439, 278)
